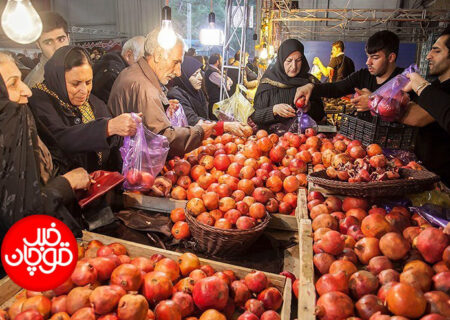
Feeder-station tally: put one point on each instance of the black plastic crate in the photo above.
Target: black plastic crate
(371, 129)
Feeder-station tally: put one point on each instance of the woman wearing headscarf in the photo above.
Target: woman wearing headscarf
(274, 97)
(27, 181)
(81, 131)
(187, 89)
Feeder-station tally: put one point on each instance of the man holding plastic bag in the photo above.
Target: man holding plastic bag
(139, 88)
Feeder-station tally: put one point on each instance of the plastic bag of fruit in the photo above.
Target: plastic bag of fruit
(389, 101)
(143, 157)
(177, 118)
(235, 108)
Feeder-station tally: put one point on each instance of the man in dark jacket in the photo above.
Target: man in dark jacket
(107, 69)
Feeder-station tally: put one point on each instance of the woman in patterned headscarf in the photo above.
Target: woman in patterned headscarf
(81, 129)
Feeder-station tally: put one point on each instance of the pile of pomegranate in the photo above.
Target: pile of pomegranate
(375, 264)
(107, 284)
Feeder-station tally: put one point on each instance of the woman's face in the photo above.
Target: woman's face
(293, 64)
(196, 79)
(17, 90)
(79, 84)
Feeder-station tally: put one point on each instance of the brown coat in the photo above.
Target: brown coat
(137, 89)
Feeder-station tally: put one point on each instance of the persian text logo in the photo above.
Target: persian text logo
(39, 253)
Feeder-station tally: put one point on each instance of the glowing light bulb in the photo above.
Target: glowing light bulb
(263, 54)
(20, 21)
(211, 36)
(166, 36)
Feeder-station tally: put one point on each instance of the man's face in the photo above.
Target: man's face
(378, 62)
(335, 51)
(438, 58)
(168, 68)
(51, 41)
(17, 90)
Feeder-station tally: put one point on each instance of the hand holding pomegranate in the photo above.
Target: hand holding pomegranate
(304, 91)
(361, 99)
(283, 110)
(235, 128)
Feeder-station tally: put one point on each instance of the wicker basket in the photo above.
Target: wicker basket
(412, 181)
(224, 243)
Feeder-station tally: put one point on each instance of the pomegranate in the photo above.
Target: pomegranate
(404, 300)
(64, 288)
(270, 315)
(398, 221)
(65, 316)
(186, 284)
(184, 302)
(343, 265)
(156, 286)
(128, 276)
(255, 306)
(332, 282)
(59, 304)
(239, 292)
(358, 213)
(410, 233)
(433, 316)
(169, 267)
(438, 302)
(416, 279)
(212, 314)
(322, 261)
(442, 282)
(104, 299)
(375, 225)
(368, 305)
(318, 210)
(332, 242)
(144, 264)
(256, 281)
(104, 251)
(277, 153)
(78, 298)
(29, 315)
(324, 221)
(210, 292)
(394, 246)
(362, 283)
(40, 303)
(431, 243)
(378, 264)
(420, 266)
(84, 273)
(271, 298)
(384, 289)
(354, 203)
(167, 310)
(104, 267)
(247, 315)
(366, 249)
(334, 305)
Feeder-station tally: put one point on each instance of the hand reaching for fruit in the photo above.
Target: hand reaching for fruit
(283, 110)
(361, 99)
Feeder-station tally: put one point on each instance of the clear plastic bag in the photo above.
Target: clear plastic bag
(143, 157)
(389, 101)
(178, 118)
(235, 108)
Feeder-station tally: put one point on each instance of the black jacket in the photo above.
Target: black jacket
(106, 71)
(194, 108)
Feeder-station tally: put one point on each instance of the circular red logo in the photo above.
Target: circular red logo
(39, 253)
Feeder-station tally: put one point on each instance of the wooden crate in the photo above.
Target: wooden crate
(9, 289)
(165, 205)
(306, 290)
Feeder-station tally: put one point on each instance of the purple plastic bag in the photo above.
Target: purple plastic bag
(143, 157)
(403, 155)
(305, 122)
(178, 118)
(434, 214)
(389, 101)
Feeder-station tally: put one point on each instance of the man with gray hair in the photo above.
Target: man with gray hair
(107, 69)
(140, 88)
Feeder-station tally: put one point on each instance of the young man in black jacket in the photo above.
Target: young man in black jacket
(382, 50)
(431, 110)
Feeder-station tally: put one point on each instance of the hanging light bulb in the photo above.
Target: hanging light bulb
(263, 54)
(166, 36)
(211, 36)
(20, 21)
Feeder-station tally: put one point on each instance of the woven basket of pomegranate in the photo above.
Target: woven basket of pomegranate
(410, 181)
(228, 242)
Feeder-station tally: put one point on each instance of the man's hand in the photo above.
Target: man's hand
(304, 91)
(123, 125)
(284, 110)
(415, 82)
(235, 128)
(78, 179)
(362, 100)
(207, 128)
(174, 104)
(161, 187)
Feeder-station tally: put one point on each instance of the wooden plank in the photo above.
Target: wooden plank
(8, 289)
(287, 299)
(137, 249)
(140, 201)
(306, 290)
(302, 208)
(283, 222)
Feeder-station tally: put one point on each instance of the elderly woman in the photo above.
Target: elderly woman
(28, 184)
(188, 91)
(79, 126)
(275, 95)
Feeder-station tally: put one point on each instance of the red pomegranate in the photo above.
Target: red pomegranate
(378, 264)
(104, 267)
(104, 299)
(366, 249)
(438, 302)
(431, 243)
(78, 298)
(40, 303)
(210, 292)
(404, 300)
(353, 203)
(239, 292)
(334, 305)
(247, 315)
(184, 302)
(84, 314)
(362, 283)
(375, 225)
(332, 282)
(322, 261)
(368, 305)
(132, 307)
(345, 266)
(332, 242)
(270, 315)
(256, 281)
(442, 281)
(84, 274)
(167, 310)
(64, 288)
(157, 286)
(271, 298)
(254, 306)
(394, 246)
(416, 279)
(128, 276)
(59, 304)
